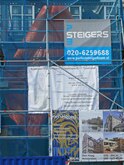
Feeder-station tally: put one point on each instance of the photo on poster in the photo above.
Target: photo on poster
(113, 121)
(92, 143)
(91, 123)
(113, 142)
(65, 135)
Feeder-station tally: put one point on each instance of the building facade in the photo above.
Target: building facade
(32, 34)
(91, 145)
(111, 122)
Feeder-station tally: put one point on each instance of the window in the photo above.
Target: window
(109, 12)
(75, 11)
(21, 17)
(90, 143)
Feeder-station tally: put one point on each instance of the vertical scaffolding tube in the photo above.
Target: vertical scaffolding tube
(48, 66)
(121, 40)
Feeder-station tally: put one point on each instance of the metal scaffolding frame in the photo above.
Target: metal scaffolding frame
(113, 74)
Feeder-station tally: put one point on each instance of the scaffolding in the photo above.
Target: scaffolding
(32, 34)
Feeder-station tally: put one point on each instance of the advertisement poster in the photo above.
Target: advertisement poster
(65, 88)
(101, 135)
(87, 41)
(68, 91)
(65, 140)
(97, 135)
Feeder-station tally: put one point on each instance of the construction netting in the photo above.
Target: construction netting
(41, 47)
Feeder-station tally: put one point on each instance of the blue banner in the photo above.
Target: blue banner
(87, 42)
(88, 55)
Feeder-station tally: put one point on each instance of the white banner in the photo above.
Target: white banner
(67, 88)
(37, 89)
(68, 91)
